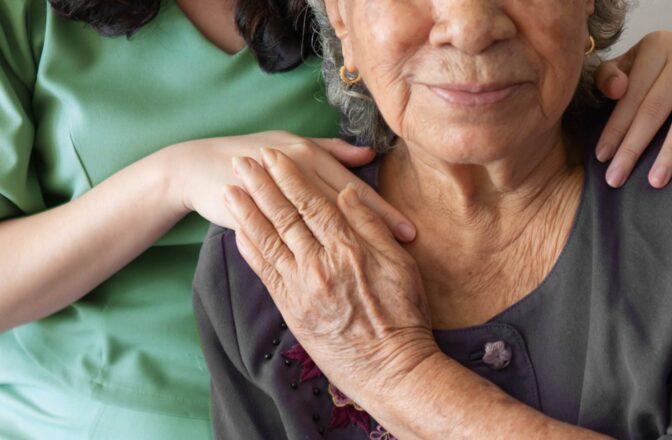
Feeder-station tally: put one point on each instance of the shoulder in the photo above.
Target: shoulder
(631, 233)
(22, 24)
(637, 203)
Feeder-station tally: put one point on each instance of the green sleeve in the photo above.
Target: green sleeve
(19, 186)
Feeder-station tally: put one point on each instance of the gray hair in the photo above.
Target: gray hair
(362, 117)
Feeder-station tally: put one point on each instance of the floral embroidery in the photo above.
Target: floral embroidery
(381, 434)
(345, 411)
(340, 400)
(308, 368)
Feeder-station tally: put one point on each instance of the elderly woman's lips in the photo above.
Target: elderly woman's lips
(475, 95)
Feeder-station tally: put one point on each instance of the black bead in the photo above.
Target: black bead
(316, 391)
(316, 417)
(288, 362)
(283, 325)
(276, 341)
(267, 356)
(321, 430)
(293, 385)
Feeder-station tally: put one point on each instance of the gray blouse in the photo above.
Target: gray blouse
(591, 346)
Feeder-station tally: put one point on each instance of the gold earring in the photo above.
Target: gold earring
(592, 46)
(349, 78)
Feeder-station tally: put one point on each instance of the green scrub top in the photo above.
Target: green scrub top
(75, 108)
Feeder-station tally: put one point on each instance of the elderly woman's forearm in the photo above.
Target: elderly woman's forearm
(441, 399)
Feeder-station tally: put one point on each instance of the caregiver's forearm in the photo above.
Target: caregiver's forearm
(51, 259)
(441, 399)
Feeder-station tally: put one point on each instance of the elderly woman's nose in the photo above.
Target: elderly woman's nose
(471, 26)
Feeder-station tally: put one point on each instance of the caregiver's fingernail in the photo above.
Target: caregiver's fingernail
(615, 177)
(350, 196)
(602, 153)
(405, 232)
(269, 156)
(660, 177)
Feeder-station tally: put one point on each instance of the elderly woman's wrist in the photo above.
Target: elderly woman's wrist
(392, 370)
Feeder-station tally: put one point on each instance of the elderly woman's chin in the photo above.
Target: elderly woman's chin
(475, 128)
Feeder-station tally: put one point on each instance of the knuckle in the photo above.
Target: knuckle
(629, 153)
(615, 133)
(260, 189)
(654, 109)
(286, 219)
(271, 247)
(312, 205)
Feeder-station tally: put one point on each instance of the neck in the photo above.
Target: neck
(496, 227)
(486, 205)
(215, 19)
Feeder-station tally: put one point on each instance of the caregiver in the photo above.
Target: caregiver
(99, 175)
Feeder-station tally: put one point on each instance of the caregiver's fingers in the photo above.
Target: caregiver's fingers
(647, 68)
(344, 152)
(611, 80)
(661, 172)
(258, 229)
(399, 224)
(282, 215)
(321, 216)
(264, 270)
(652, 114)
(366, 223)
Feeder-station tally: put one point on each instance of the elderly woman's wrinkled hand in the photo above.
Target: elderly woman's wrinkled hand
(640, 79)
(345, 287)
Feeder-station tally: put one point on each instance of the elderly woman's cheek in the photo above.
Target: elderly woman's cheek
(384, 31)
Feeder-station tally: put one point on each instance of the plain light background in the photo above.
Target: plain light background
(646, 16)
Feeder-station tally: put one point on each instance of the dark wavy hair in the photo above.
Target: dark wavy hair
(279, 32)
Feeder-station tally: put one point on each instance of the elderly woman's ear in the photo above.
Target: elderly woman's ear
(337, 16)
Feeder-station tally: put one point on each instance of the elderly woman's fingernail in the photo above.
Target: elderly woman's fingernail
(269, 156)
(230, 195)
(240, 164)
(615, 177)
(405, 232)
(660, 176)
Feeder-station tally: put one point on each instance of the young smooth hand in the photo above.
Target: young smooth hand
(641, 81)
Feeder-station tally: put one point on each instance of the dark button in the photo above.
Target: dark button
(283, 325)
(316, 417)
(267, 356)
(276, 341)
(321, 430)
(288, 362)
(293, 385)
(497, 355)
(316, 391)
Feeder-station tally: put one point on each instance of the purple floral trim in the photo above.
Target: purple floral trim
(345, 411)
(308, 368)
(381, 433)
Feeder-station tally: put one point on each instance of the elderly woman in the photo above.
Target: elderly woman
(535, 301)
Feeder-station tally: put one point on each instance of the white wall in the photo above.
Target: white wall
(645, 16)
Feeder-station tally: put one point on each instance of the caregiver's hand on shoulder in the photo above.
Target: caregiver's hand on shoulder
(641, 81)
(351, 295)
(199, 170)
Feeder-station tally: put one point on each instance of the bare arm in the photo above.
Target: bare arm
(372, 338)
(441, 399)
(51, 259)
